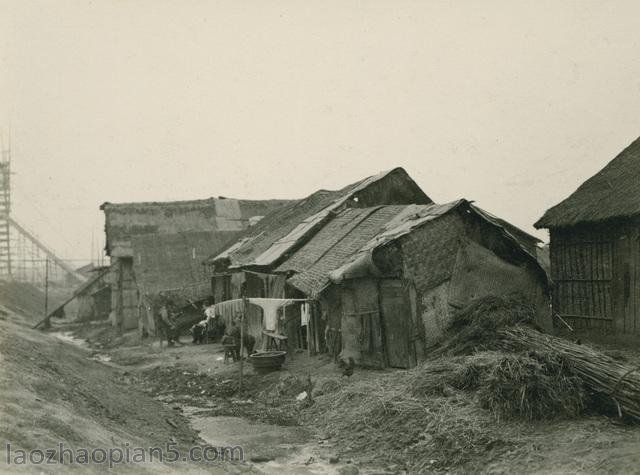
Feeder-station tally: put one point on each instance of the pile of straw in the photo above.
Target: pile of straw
(441, 376)
(381, 417)
(475, 327)
(493, 365)
(532, 386)
(609, 379)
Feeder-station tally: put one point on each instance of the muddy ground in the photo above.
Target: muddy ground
(118, 388)
(56, 395)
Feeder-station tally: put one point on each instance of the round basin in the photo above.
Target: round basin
(267, 361)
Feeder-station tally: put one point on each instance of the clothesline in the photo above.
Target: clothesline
(264, 298)
(269, 306)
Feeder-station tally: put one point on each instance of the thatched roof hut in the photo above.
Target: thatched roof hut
(595, 250)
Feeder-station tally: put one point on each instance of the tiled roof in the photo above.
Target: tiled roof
(341, 238)
(284, 230)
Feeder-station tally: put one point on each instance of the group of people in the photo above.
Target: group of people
(208, 330)
(213, 328)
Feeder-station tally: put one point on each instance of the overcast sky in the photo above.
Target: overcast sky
(511, 104)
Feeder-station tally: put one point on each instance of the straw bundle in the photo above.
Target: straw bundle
(439, 377)
(475, 327)
(532, 386)
(608, 378)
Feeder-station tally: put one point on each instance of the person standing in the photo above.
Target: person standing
(167, 324)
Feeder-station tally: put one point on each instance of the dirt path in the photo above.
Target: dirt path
(196, 389)
(194, 380)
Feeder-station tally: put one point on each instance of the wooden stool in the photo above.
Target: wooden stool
(276, 341)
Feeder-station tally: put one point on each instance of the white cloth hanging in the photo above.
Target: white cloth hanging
(270, 309)
(305, 314)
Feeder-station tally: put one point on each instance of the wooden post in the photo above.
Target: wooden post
(313, 315)
(290, 353)
(46, 288)
(308, 333)
(244, 310)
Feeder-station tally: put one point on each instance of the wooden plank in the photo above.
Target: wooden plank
(582, 277)
(629, 284)
(586, 288)
(575, 261)
(635, 287)
(569, 287)
(361, 325)
(583, 317)
(593, 287)
(620, 264)
(397, 324)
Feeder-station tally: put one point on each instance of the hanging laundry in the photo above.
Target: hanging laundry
(270, 308)
(229, 310)
(305, 314)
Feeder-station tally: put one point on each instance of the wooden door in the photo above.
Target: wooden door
(361, 326)
(397, 324)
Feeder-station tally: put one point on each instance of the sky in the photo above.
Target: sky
(511, 104)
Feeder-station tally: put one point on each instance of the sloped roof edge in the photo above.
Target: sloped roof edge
(362, 262)
(281, 246)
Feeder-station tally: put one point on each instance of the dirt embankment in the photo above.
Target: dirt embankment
(28, 301)
(53, 393)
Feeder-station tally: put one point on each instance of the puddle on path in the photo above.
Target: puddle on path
(68, 337)
(289, 447)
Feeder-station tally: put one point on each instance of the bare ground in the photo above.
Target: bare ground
(590, 444)
(54, 393)
(192, 383)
